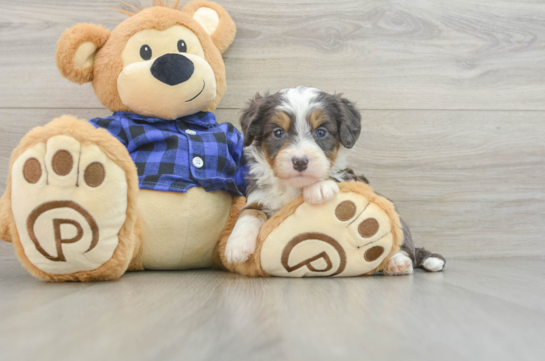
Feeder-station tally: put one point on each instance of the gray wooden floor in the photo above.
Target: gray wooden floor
(489, 309)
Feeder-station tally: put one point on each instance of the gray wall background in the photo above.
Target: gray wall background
(452, 95)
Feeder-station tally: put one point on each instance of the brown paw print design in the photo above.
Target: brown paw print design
(350, 236)
(72, 202)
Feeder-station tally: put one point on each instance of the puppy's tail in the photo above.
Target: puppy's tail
(429, 261)
(421, 257)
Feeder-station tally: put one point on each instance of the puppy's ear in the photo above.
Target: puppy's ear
(76, 50)
(252, 118)
(215, 20)
(349, 122)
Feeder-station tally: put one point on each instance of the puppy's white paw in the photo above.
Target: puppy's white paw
(320, 192)
(241, 243)
(240, 246)
(398, 265)
(433, 264)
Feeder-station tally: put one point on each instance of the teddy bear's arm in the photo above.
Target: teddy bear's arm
(4, 217)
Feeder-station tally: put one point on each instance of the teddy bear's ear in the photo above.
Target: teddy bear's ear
(76, 50)
(215, 20)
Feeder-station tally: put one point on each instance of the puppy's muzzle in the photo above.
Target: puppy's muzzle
(172, 69)
(300, 164)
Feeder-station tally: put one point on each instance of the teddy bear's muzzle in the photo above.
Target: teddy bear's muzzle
(172, 69)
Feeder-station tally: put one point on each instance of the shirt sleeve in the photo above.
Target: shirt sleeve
(236, 148)
(241, 177)
(114, 126)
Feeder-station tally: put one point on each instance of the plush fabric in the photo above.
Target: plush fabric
(73, 207)
(208, 18)
(86, 135)
(94, 229)
(334, 247)
(304, 240)
(225, 31)
(73, 50)
(181, 230)
(5, 212)
(163, 151)
(159, 230)
(108, 63)
(86, 216)
(160, 80)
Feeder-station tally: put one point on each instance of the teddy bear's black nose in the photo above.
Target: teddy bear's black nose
(172, 69)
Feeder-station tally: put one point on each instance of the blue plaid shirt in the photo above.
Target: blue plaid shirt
(175, 155)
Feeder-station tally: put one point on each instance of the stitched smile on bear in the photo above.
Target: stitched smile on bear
(167, 70)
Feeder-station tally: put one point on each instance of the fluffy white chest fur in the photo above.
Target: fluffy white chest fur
(271, 192)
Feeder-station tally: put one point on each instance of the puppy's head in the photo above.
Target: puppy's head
(300, 131)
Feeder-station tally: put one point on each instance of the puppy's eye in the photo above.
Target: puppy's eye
(321, 133)
(279, 133)
(182, 48)
(145, 52)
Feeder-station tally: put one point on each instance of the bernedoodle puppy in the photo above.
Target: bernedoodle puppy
(296, 143)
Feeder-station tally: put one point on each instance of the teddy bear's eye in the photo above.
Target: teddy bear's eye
(182, 48)
(145, 52)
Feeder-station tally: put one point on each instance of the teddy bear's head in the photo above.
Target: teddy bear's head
(160, 62)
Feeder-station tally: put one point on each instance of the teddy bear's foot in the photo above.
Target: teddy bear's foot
(69, 204)
(350, 235)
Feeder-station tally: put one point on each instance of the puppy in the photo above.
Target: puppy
(296, 143)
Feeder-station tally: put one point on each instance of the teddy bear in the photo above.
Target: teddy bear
(159, 184)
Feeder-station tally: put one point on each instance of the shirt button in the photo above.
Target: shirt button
(190, 132)
(198, 162)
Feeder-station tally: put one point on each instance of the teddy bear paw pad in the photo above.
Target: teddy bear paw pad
(347, 236)
(69, 202)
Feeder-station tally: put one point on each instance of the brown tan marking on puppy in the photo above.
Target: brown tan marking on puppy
(316, 118)
(283, 120)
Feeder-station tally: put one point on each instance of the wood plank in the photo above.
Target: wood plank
(386, 54)
(205, 315)
(469, 183)
(6, 251)
(504, 278)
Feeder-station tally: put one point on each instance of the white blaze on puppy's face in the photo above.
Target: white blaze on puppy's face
(317, 169)
(298, 104)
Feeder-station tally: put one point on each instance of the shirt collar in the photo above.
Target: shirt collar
(202, 119)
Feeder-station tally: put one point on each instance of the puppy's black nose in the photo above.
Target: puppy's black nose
(300, 164)
(172, 69)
